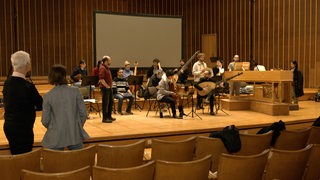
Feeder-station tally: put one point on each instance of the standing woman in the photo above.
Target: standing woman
(21, 101)
(64, 113)
(297, 84)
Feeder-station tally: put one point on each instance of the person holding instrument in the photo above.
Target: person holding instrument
(127, 71)
(210, 89)
(79, 72)
(166, 93)
(154, 68)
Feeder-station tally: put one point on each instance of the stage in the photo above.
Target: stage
(138, 126)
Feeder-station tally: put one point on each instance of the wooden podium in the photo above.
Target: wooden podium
(272, 91)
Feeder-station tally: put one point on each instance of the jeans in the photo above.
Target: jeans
(71, 147)
(107, 102)
(172, 102)
(120, 101)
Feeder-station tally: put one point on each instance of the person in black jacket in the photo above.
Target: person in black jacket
(297, 84)
(21, 101)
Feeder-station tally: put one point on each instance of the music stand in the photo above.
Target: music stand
(90, 81)
(135, 80)
(192, 103)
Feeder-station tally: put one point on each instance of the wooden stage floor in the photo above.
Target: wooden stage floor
(128, 127)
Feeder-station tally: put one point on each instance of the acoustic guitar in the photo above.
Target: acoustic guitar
(208, 86)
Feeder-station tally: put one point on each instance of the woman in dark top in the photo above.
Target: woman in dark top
(297, 82)
(21, 101)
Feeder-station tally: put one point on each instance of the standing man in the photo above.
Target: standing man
(105, 79)
(123, 92)
(198, 72)
(234, 86)
(21, 101)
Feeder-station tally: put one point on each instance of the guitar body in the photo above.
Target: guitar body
(206, 88)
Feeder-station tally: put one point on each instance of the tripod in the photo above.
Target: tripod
(192, 107)
(91, 81)
(135, 80)
(218, 104)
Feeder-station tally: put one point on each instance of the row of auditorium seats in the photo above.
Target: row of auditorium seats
(192, 150)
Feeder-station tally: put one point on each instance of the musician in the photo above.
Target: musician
(211, 95)
(166, 94)
(122, 92)
(218, 70)
(79, 72)
(155, 78)
(127, 71)
(154, 68)
(198, 67)
(234, 86)
(183, 74)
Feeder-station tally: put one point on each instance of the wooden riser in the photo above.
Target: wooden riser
(257, 106)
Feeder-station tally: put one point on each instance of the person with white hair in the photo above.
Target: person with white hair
(21, 101)
(127, 71)
(234, 86)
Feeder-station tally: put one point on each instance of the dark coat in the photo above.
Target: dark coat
(298, 83)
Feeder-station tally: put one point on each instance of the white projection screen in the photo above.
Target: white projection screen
(138, 38)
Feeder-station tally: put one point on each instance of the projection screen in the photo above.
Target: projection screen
(138, 38)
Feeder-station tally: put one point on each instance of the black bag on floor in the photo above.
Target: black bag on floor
(230, 138)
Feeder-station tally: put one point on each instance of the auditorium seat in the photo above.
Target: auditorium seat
(79, 174)
(55, 161)
(312, 171)
(210, 146)
(254, 143)
(249, 167)
(120, 156)
(287, 164)
(141, 172)
(292, 139)
(314, 136)
(173, 150)
(188, 170)
(11, 165)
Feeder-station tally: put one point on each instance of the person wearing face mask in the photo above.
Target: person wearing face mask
(127, 72)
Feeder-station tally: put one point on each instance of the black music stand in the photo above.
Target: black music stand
(91, 81)
(192, 103)
(135, 80)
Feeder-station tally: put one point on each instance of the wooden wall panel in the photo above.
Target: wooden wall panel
(59, 31)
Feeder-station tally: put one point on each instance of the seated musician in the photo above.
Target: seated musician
(127, 71)
(183, 74)
(218, 70)
(122, 92)
(155, 78)
(166, 94)
(154, 68)
(211, 90)
(78, 73)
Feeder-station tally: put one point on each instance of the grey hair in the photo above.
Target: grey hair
(20, 59)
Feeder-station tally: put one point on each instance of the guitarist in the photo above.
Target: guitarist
(79, 72)
(211, 95)
(183, 74)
